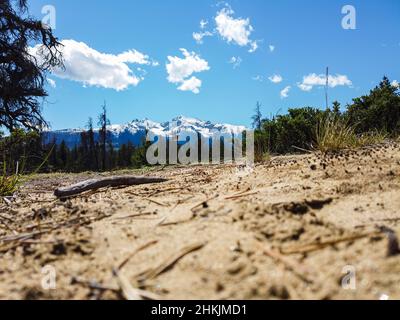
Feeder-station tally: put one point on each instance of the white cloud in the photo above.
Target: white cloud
(313, 80)
(234, 30)
(395, 84)
(52, 83)
(93, 68)
(271, 48)
(180, 69)
(276, 78)
(235, 61)
(285, 92)
(134, 56)
(258, 78)
(203, 24)
(305, 87)
(198, 36)
(253, 46)
(193, 84)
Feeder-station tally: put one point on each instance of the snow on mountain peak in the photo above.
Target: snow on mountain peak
(135, 131)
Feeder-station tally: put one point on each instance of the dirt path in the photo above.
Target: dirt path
(292, 228)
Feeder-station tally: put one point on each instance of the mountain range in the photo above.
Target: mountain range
(135, 131)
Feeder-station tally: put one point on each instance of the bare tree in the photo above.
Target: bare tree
(103, 123)
(23, 75)
(257, 118)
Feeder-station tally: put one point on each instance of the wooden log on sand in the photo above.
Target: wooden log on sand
(115, 181)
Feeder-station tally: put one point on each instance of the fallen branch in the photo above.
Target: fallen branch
(131, 293)
(152, 273)
(173, 223)
(289, 264)
(160, 222)
(156, 202)
(241, 195)
(388, 220)
(322, 245)
(132, 216)
(166, 190)
(204, 203)
(301, 149)
(241, 192)
(148, 199)
(115, 181)
(94, 285)
(126, 260)
(181, 201)
(22, 236)
(7, 201)
(3, 217)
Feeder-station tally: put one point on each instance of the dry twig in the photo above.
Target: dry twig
(203, 203)
(131, 293)
(126, 260)
(322, 245)
(289, 264)
(154, 272)
(241, 195)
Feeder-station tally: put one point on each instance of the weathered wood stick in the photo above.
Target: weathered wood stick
(153, 273)
(131, 293)
(322, 245)
(291, 265)
(116, 181)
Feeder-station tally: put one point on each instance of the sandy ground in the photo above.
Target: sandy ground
(296, 227)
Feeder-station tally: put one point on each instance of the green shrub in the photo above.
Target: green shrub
(379, 111)
(295, 129)
(370, 119)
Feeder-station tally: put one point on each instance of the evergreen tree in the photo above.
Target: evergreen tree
(111, 156)
(23, 76)
(83, 157)
(73, 162)
(92, 155)
(63, 156)
(53, 156)
(380, 110)
(336, 108)
(130, 150)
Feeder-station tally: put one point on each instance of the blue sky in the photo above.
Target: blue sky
(307, 36)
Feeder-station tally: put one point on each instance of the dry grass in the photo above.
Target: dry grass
(8, 183)
(334, 134)
(262, 157)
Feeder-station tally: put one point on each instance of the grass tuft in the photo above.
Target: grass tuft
(334, 134)
(9, 183)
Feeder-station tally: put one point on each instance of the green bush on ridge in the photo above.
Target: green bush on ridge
(369, 119)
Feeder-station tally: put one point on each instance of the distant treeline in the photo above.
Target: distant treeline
(28, 150)
(377, 112)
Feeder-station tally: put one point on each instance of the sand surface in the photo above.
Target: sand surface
(295, 227)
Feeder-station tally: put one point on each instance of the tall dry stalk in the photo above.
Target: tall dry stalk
(334, 133)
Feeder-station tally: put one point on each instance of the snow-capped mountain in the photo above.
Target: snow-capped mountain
(135, 131)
